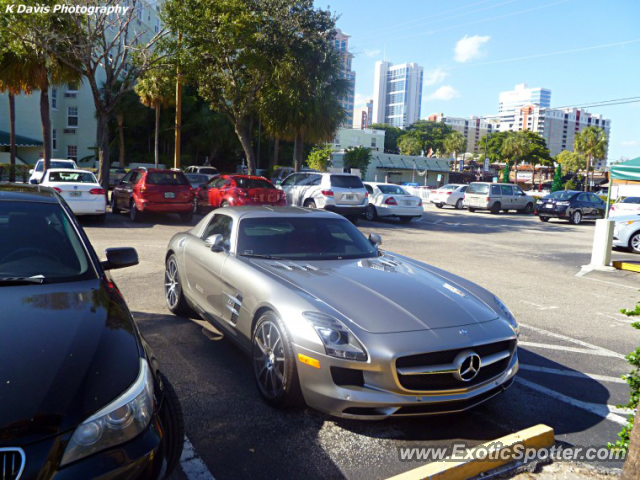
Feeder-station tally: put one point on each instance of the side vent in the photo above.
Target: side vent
(233, 305)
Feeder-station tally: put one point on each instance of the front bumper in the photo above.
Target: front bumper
(345, 210)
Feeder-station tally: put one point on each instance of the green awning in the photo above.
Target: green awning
(5, 141)
(629, 170)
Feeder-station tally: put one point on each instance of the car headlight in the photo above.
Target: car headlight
(338, 340)
(508, 315)
(123, 419)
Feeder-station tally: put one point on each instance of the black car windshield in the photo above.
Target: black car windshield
(480, 188)
(208, 171)
(167, 178)
(55, 164)
(631, 200)
(39, 239)
(562, 195)
(244, 182)
(299, 238)
(346, 181)
(394, 189)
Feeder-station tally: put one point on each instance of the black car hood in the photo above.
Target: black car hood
(66, 350)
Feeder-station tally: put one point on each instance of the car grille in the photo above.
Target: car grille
(11, 463)
(446, 381)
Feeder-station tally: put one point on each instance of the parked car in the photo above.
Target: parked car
(82, 392)
(342, 193)
(149, 190)
(38, 171)
(451, 194)
(331, 320)
(235, 190)
(626, 232)
(389, 200)
(570, 205)
(203, 170)
(196, 180)
(80, 189)
(497, 196)
(116, 174)
(627, 206)
(279, 174)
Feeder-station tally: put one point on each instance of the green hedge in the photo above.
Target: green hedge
(21, 172)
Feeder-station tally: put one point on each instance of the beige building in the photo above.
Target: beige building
(473, 129)
(363, 116)
(350, 137)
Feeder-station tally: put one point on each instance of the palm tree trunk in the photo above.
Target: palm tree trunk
(631, 467)
(297, 152)
(156, 151)
(120, 121)
(276, 151)
(102, 139)
(12, 137)
(45, 115)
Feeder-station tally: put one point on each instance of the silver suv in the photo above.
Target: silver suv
(342, 193)
(497, 196)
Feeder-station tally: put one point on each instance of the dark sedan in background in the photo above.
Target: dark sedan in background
(570, 205)
(81, 395)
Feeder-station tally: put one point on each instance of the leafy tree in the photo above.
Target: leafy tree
(515, 147)
(358, 157)
(571, 162)
(391, 136)
(557, 179)
(320, 158)
(126, 108)
(494, 143)
(431, 134)
(409, 145)
(454, 143)
(591, 142)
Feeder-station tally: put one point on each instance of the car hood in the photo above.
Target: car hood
(66, 350)
(385, 294)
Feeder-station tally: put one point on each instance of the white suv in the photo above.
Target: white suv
(38, 171)
(342, 193)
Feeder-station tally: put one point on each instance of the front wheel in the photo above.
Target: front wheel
(310, 204)
(225, 204)
(471, 209)
(134, 214)
(459, 205)
(274, 363)
(173, 422)
(576, 217)
(114, 208)
(173, 294)
(634, 243)
(371, 213)
(439, 205)
(544, 219)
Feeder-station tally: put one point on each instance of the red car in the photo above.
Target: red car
(153, 190)
(234, 190)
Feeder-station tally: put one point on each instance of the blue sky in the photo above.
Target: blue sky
(473, 49)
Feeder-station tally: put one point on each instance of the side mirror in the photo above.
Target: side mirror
(215, 243)
(33, 182)
(375, 239)
(31, 171)
(120, 258)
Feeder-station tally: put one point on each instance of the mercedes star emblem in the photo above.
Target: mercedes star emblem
(469, 364)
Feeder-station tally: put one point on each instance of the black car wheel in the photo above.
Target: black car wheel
(576, 217)
(459, 205)
(114, 208)
(310, 204)
(173, 294)
(439, 205)
(225, 204)
(371, 213)
(634, 243)
(173, 422)
(495, 208)
(134, 214)
(471, 209)
(274, 364)
(505, 210)
(528, 209)
(544, 219)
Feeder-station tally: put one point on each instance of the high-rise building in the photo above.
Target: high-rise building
(397, 93)
(362, 116)
(341, 42)
(473, 129)
(521, 95)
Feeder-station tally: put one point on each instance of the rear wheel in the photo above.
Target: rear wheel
(505, 210)
(495, 208)
(310, 204)
(114, 208)
(528, 209)
(225, 204)
(471, 209)
(134, 214)
(173, 294)
(576, 217)
(634, 243)
(173, 422)
(371, 213)
(405, 219)
(459, 205)
(544, 219)
(274, 363)
(439, 205)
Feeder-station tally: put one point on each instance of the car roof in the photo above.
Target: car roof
(233, 175)
(27, 193)
(266, 211)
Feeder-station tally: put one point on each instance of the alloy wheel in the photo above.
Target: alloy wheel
(371, 213)
(269, 359)
(171, 283)
(635, 243)
(459, 204)
(576, 217)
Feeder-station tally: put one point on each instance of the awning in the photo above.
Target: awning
(402, 162)
(5, 141)
(629, 170)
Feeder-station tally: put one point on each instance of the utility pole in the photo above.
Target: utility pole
(176, 159)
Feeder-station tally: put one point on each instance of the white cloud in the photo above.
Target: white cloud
(630, 143)
(446, 92)
(435, 75)
(469, 48)
(372, 53)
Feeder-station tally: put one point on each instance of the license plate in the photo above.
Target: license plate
(407, 203)
(169, 195)
(75, 194)
(548, 205)
(348, 197)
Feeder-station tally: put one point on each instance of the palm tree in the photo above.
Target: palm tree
(515, 146)
(156, 90)
(125, 106)
(454, 143)
(591, 142)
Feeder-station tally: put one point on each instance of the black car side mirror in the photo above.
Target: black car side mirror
(215, 243)
(375, 239)
(120, 258)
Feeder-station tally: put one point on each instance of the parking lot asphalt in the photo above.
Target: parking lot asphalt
(572, 346)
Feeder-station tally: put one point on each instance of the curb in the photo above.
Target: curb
(629, 265)
(536, 437)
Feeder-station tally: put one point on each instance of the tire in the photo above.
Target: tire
(174, 297)
(173, 423)
(505, 210)
(459, 205)
(310, 204)
(186, 217)
(438, 205)
(471, 209)
(405, 219)
(353, 219)
(634, 243)
(495, 208)
(114, 209)
(275, 371)
(225, 204)
(544, 219)
(371, 214)
(528, 209)
(134, 214)
(576, 217)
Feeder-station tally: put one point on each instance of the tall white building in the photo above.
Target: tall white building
(341, 42)
(397, 93)
(521, 95)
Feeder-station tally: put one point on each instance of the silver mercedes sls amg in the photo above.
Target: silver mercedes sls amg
(331, 319)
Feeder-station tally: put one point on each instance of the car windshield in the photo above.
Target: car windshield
(449, 187)
(562, 195)
(631, 200)
(196, 179)
(346, 181)
(82, 177)
(392, 189)
(208, 170)
(480, 188)
(300, 238)
(38, 239)
(54, 164)
(167, 178)
(244, 182)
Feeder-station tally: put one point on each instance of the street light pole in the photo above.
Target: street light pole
(176, 159)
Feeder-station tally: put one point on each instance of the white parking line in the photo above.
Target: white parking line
(569, 349)
(541, 307)
(192, 465)
(605, 411)
(571, 373)
(621, 318)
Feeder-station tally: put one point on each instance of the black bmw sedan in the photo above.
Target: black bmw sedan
(81, 395)
(570, 205)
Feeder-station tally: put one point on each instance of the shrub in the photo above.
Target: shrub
(358, 157)
(320, 158)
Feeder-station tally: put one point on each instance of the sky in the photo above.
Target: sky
(585, 51)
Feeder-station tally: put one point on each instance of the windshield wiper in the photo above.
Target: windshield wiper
(21, 280)
(258, 255)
